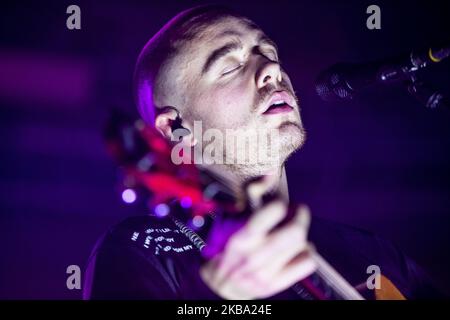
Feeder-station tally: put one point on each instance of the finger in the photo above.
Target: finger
(303, 216)
(225, 267)
(298, 269)
(274, 269)
(256, 189)
(265, 219)
(215, 272)
(249, 237)
(242, 290)
(278, 249)
(292, 240)
(208, 270)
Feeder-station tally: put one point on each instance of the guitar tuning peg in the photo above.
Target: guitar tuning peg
(186, 202)
(161, 210)
(146, 163)
(198, 222)
(139, 124)
(129, 196)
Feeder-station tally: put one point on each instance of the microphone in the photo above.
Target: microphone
(342, 80)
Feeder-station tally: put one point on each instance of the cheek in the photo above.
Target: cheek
(288, 81)
(228, 105)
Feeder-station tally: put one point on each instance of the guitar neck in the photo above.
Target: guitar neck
(326, 284)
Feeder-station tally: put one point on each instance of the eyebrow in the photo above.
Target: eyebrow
(265, 39)
(219, 53)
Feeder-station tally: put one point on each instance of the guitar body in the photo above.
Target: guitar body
(388, 291)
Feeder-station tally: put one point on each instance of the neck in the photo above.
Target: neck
(236, 181)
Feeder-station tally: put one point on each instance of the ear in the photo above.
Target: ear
(169, 123)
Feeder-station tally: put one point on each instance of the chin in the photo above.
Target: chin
(292, 138)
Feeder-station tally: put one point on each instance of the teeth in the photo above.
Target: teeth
(278, 102)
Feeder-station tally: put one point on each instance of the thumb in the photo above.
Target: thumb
(257, 188)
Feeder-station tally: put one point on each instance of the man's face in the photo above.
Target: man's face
(232, 79)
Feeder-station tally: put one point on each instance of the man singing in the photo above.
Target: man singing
(213, 65)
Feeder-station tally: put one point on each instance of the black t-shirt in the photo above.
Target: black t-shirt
(146, 257)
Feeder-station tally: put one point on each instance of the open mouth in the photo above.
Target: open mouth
(278, 107)
(279, 102)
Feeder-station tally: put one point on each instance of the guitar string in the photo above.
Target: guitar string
(190, 234)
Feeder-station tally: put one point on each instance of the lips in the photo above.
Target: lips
(279, 102)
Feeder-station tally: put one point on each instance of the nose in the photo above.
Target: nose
(270, 72)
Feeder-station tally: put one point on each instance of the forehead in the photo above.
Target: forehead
(217, 33)
(227, 26)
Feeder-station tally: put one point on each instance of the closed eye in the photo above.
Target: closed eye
(232, 69)
(271, 55)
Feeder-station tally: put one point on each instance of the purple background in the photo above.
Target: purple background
(380, 162)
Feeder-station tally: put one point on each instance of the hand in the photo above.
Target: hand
(259, 262)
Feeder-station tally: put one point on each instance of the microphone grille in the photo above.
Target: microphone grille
(331, 85)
